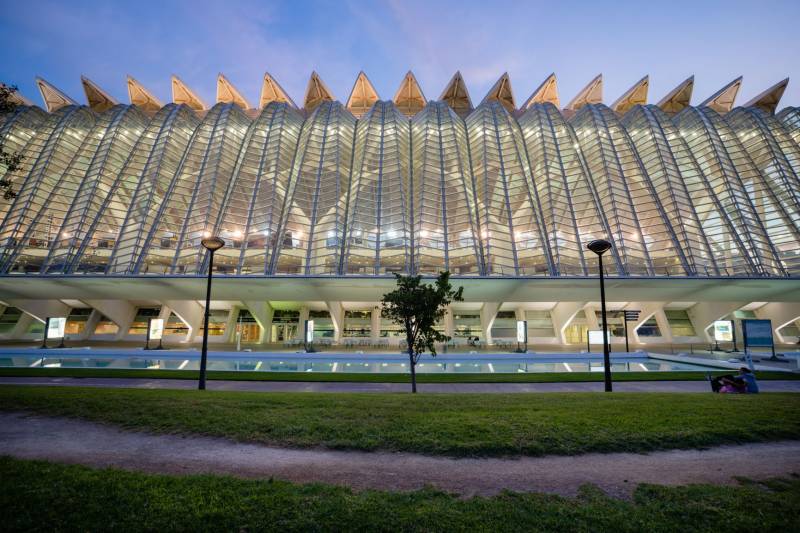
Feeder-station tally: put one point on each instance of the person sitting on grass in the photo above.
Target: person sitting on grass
(743, 382)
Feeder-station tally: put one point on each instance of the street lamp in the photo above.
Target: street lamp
(212, 244)
(600, 246)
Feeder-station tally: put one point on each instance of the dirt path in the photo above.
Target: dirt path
(72, 441)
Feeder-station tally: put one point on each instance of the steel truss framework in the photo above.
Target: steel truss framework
(495, 191)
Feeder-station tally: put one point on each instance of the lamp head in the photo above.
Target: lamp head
(599, 246)
(212, 244)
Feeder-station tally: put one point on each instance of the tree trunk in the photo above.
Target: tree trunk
(413, 372)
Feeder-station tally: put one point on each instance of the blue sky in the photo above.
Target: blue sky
(716, 41)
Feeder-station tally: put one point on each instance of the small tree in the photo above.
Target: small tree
(9, 162)
(417, 307)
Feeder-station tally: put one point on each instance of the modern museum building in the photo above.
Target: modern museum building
(320, 203)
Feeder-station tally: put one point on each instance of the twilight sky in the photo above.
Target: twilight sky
(715, 40)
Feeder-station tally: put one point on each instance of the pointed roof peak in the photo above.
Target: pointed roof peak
(98, 99)
(182, 94)
(409, 98)
(17, 98)
(362, 96)
(591, 94)
(502, 92)
(679, 97)
(271, 91)
(54, 98)
(722, 100)
(141, 97)
(456, 95)
(546, 92)
(636, 95)
(769, 99)
(316, 92)
(228, 94)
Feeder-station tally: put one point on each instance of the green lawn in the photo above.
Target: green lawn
(449, 424)
(543, 377)
(39, 496)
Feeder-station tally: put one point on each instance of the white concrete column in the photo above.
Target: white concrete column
(262, 312)
(120, 312)
(592, 322)
(90, 326)
(230, 324)
(190, 312)
(21, 327)
(488, 314)
(375, 324)
(781, 314)
(300, 321)
(562, 315)
(337, 317)
(449, 323)
(703, 315)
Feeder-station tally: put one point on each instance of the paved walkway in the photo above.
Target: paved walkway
(74, 441)
(299, 386)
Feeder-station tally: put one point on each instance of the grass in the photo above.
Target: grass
(40, 496)
(443, 424)
(543, 377)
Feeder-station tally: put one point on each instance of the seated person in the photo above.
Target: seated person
(743, 382)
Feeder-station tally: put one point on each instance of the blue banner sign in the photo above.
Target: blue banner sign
(757, 333)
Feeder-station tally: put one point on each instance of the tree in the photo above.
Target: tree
(11, 161)
(417, 307)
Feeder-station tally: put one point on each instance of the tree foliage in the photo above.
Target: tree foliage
(9, 162)
(417, 307)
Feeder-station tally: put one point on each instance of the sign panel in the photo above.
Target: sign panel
(596, 336)
(723, 331)
(632, 316)
(757, 333)
(522, 331)
(56, 328)
(156, 328)
(309, 331)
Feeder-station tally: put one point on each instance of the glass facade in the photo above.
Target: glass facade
(689, 192)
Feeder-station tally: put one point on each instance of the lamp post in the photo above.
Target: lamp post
(600, 246)
(212, 244)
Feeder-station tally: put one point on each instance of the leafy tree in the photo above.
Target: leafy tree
(11, 161)
(417, 307)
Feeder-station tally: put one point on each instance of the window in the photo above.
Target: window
(357, 323)
(679, 323)
(540, 324)
(9, 319)
(216, 322)
(106, 327)
(142, 320)
(467, 325)
(175, 326)
(649, 328)
(76, 321)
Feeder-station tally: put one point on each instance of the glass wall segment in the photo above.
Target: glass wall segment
(378, 232)
(262, 182)
(445, 229)
(508, 207)
(639, 224)
(96, 183)
(32, 223)
(717, 149)
(150, 175)
(312, 225)
(570, 208)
